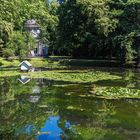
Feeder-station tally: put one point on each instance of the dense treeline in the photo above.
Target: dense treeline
(100, 29)
(103, 29)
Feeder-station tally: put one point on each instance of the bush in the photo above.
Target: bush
(7, 53)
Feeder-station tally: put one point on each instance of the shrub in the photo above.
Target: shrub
(7, 53)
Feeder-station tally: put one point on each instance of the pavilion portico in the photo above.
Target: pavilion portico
(40, 48)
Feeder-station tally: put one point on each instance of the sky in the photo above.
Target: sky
(58, 0)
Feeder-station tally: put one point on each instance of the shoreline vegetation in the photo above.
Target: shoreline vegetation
(55, 69)
(64, 61)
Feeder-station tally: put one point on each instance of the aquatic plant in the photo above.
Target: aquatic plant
(79, 76)
(119, 92)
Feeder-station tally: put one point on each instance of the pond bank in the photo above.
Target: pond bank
(58, 62)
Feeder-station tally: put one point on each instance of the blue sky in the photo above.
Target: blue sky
(58, 0)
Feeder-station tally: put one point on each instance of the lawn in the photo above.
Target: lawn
(36, 62)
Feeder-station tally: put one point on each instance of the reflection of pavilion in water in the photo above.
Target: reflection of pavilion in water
(24, 79)
(36, 89)
(35, 97)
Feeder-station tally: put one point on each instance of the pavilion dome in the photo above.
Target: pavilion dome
(31, 23)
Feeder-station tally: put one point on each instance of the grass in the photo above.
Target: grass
(61, 61)
(9, 73)
(10, 63)
(36, 62)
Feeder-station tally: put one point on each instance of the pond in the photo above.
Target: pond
(42, 109)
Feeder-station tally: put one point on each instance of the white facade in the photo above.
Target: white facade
(40, 48)
(25, 66)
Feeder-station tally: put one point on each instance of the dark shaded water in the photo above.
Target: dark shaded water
(40, 109)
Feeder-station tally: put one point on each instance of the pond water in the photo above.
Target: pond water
(40, 109)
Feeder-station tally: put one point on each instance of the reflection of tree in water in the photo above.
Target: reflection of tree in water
(131, 78)
(102, 123)
(31, 106)
(5, 88)
(104, 114)
(89, 118)
(19, 112)
(92, 126)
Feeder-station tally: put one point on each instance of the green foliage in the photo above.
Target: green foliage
(99, 29)
(6, 29)
(13, 16)
(7, 53)
(74, 76)
(81, 22)
(78, 76)
(18, 44)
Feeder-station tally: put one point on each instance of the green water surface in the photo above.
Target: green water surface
(55, 110)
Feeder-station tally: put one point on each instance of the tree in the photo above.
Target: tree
(18, 44)
(6, 30)
(100, 28)
(8, 53)
(84, 25)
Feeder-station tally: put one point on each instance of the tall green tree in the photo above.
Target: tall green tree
(17, 43)
(84, 25)
(100, 28)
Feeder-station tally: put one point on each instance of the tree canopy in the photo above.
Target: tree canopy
(100, 28)
(104, 29)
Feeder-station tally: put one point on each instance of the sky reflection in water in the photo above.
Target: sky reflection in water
(50, 130)
(51, 126)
